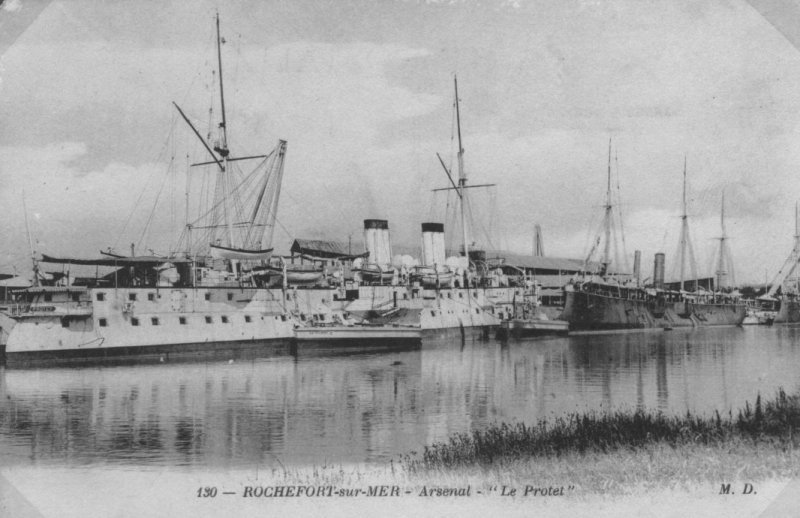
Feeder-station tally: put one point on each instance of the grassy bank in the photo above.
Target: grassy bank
(628, 448)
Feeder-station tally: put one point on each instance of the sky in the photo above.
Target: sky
(362, 91)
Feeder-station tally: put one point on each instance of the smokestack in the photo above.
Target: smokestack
(658, 270)
(433, 244)
(376, 241)
(637, 266)
(538, 241)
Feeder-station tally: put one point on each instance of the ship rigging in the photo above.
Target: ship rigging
(240, 223)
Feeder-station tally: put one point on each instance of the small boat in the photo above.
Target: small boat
(324, 325)
(429, 276)
(239, 254)
(535, 326)
(372, 273)
(520, 328)
(375, 334)
(296, 274)
(525, 319)
(759, 317)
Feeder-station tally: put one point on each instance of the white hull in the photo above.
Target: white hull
(6, 325)
(162, 317)
(109, 322)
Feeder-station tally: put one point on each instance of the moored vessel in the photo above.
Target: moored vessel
(782, 299)
(228, 289)
(607, 302)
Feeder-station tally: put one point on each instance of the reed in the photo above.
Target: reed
(771, 423)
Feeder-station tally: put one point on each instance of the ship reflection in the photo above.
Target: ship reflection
(317, 406)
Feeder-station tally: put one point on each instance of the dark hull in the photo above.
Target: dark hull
(531, 329)
(789, 312)
(207, 351)
(592, 311)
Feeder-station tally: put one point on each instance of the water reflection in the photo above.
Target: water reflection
(311, 406)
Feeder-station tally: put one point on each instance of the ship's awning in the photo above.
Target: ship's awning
(239, 254)
(14, 282)
(52, 289)
(142, 260)
(551, 265)
(326, 249)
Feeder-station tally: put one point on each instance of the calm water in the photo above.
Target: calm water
(313, 407)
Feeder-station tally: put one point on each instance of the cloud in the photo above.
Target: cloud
(11, 6)
(365, 105)
(69, 212)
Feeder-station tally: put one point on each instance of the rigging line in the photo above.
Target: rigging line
(619, 215)
(165, 144)
(487, 236)
(285, 230)
(155, 204)
(233, 191)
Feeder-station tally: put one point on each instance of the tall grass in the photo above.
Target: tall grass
(773, 422)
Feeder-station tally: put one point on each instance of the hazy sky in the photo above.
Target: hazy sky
(362, 92)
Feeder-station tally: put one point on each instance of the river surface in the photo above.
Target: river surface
(313, 407)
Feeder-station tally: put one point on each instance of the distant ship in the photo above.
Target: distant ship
(607, 301)
(784, 307)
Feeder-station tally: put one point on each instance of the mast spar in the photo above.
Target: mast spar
(790, 265)
(608, 215)
(462, 175)
(461, 187)
(30, 242)
(222, 148)
(684, 226)
(685, 241)
(724, 263)
(229, 192)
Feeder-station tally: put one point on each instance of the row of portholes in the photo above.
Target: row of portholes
(460, 295)
(101, 296)
(156, 321)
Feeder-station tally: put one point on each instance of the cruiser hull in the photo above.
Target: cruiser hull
(591, 311)
(206, 351)
(124, 322)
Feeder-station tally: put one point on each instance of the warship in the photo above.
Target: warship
(608, 300)
(219, 293)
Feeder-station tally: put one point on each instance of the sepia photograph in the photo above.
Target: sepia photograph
(399, 257)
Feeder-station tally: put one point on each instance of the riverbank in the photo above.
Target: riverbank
(617, 451)
(596, 464)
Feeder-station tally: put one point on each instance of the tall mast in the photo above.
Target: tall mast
(790, 265)
(223, 125)
(721, 262)
(684, 226)
(460, 187)
(608, 215)
(462, 176)
(222, 147)
(796, 251)
(685, 242)
(30, 242)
